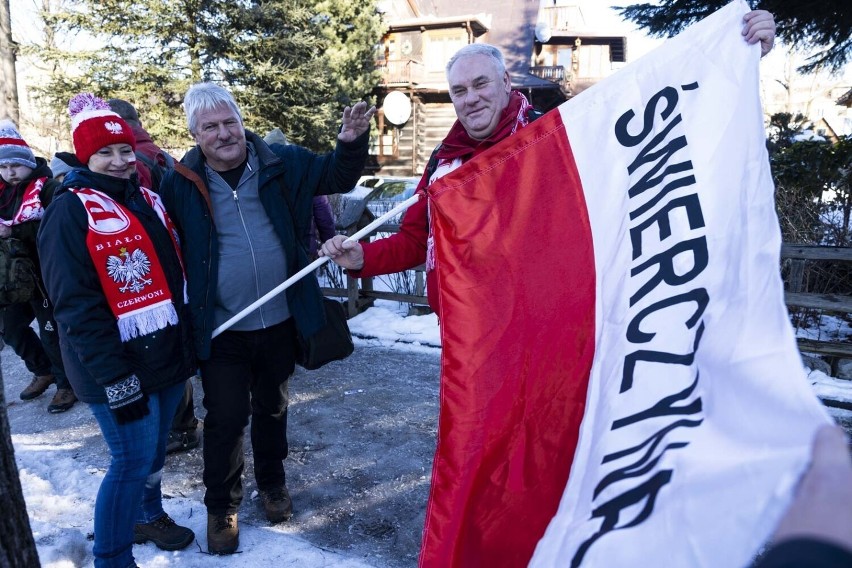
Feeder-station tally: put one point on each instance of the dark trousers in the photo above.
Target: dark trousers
(246, 375)
(40, 353)
(185, 420)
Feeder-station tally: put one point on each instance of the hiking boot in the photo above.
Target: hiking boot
(223, 533)
(182, 441)
(63, 400)
(164, 533)
(37, 387)
(277, 505)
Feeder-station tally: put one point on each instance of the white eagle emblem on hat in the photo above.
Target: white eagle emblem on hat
(113, 127)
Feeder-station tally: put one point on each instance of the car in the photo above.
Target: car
(388, 192)
(395, 188)
(379, 194)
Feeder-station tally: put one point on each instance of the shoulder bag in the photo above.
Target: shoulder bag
(333, 341)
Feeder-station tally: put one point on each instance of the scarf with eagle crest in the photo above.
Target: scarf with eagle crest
(127, 264)
(31, 208)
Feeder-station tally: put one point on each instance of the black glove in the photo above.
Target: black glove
(126, 399)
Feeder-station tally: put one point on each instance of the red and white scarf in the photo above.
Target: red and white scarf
(127, 264)
(31, 208)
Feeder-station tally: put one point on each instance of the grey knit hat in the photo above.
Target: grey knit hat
(59, 166)
(13, 149)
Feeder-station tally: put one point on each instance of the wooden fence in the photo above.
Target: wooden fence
(796, 296)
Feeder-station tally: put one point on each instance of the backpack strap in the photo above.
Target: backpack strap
(533, 114)
(166, 159)
(432, 164)
(199, 183)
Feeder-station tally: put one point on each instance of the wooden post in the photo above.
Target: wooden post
(797, 274)
(351, 296)
(419, 283)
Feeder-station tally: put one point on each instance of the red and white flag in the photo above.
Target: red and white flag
(618, 367)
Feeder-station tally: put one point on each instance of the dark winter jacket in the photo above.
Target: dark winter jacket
(322, 228)
(806, 552)
(92, 349)
(289, 176)
(9, 205)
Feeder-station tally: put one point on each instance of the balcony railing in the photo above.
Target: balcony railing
(555, 73)
(401, 71)
(562, 18)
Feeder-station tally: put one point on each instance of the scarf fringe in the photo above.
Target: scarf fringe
(147, 320)
(430, 240)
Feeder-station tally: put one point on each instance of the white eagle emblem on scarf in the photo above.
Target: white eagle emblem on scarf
(131, 269)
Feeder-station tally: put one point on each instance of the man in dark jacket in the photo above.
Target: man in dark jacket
(240, 207)
(26, 186)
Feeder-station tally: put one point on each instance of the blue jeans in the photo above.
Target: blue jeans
(130, 492)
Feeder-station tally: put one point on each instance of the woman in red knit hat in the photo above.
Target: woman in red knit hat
(112, 265)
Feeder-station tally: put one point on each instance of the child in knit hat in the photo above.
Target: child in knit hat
(62, 163)
(26, 185)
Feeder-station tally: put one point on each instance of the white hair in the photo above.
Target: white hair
(206, 96)
(479, 49)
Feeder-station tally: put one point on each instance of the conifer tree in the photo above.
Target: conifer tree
(825, 26)
(278, 57)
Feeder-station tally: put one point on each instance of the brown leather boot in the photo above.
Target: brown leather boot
(63, 400)
(37, 387)
(277, 505)
(223, 533)
(164, 532)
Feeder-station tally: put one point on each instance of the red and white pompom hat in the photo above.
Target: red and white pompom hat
(94, 125)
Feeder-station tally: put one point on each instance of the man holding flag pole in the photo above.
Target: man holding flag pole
(239, 206)
(614, 306)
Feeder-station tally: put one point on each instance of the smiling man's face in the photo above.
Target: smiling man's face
(479, 92)
(222, 137)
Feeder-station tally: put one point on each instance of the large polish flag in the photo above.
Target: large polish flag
(620, 384)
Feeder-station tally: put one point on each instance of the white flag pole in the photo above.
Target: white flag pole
(314, 265)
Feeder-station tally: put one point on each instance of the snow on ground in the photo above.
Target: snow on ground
(61, 469)
(826, 328)
(385, 323)
(830, 388)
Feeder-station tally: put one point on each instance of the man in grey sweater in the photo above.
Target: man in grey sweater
(241, 207)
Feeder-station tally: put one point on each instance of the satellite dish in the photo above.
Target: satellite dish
(397, 108)
(543, 33)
